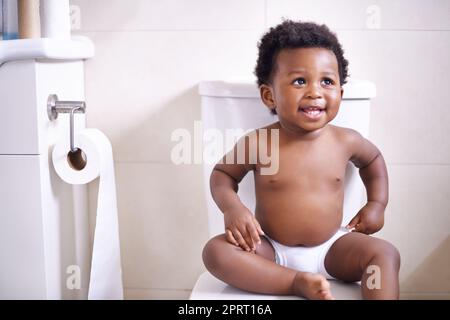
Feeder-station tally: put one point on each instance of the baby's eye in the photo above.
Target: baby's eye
(299, 81)
(328, 81)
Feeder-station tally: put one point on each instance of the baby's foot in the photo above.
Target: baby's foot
(312, 286)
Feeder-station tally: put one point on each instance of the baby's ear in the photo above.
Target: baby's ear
(267, 96)
(342, 92)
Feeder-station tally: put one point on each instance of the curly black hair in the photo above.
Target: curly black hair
(290, 35)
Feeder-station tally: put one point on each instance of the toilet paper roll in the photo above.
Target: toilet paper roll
(106, 274)
(55, 19)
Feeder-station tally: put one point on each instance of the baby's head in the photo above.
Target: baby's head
(291, 35)
(300, 72)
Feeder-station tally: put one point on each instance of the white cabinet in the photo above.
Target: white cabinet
(22, 267)
(40, 234)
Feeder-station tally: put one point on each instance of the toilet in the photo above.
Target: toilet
(236, 107)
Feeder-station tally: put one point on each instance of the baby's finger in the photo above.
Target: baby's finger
(258, 227)
(353, 222)
(359, 228)
(240, 239)
(251, 228)
(230, 238)
(248, 239)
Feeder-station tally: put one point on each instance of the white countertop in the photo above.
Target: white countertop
(76, 48)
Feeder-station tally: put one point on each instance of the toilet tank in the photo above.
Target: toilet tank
(236, 106)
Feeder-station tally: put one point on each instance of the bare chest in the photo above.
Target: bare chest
(307, 167)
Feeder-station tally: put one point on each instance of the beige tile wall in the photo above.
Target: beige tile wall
(141, 85)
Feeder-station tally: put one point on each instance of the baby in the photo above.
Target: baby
(295, 241)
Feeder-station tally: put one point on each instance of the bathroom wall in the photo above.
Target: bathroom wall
(142, 84)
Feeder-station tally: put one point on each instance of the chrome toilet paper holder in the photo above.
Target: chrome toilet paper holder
(55, 106)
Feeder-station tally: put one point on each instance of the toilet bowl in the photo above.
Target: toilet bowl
(235, 108)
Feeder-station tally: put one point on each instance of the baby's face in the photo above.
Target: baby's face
(306, 88)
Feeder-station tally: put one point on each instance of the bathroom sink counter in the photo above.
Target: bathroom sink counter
(75, 48)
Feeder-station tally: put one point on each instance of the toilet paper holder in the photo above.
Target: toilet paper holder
(55, 106)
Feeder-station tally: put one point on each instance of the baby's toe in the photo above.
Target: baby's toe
(326, 295)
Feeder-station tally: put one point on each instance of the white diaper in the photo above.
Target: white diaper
(307, 259)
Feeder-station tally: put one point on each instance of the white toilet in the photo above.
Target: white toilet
(226, 106)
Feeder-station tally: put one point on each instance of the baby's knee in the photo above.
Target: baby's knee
(213, 254)
(391, 253)
(383, 250)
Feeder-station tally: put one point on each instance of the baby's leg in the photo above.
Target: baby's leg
(259, 272)
(374, 262)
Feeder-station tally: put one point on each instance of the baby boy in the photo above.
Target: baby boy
(294, 241)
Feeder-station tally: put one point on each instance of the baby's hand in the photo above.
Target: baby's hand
(369, 219)
(242, 229)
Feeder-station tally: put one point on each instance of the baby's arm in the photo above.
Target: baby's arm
(241, 227)
(373, 172)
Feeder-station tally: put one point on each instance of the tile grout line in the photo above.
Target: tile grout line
(253, 29)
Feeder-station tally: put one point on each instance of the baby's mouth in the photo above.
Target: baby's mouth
(312, 111)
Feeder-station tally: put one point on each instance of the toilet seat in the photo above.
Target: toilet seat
(209, 287)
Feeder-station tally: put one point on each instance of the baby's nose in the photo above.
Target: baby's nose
(314, 91)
